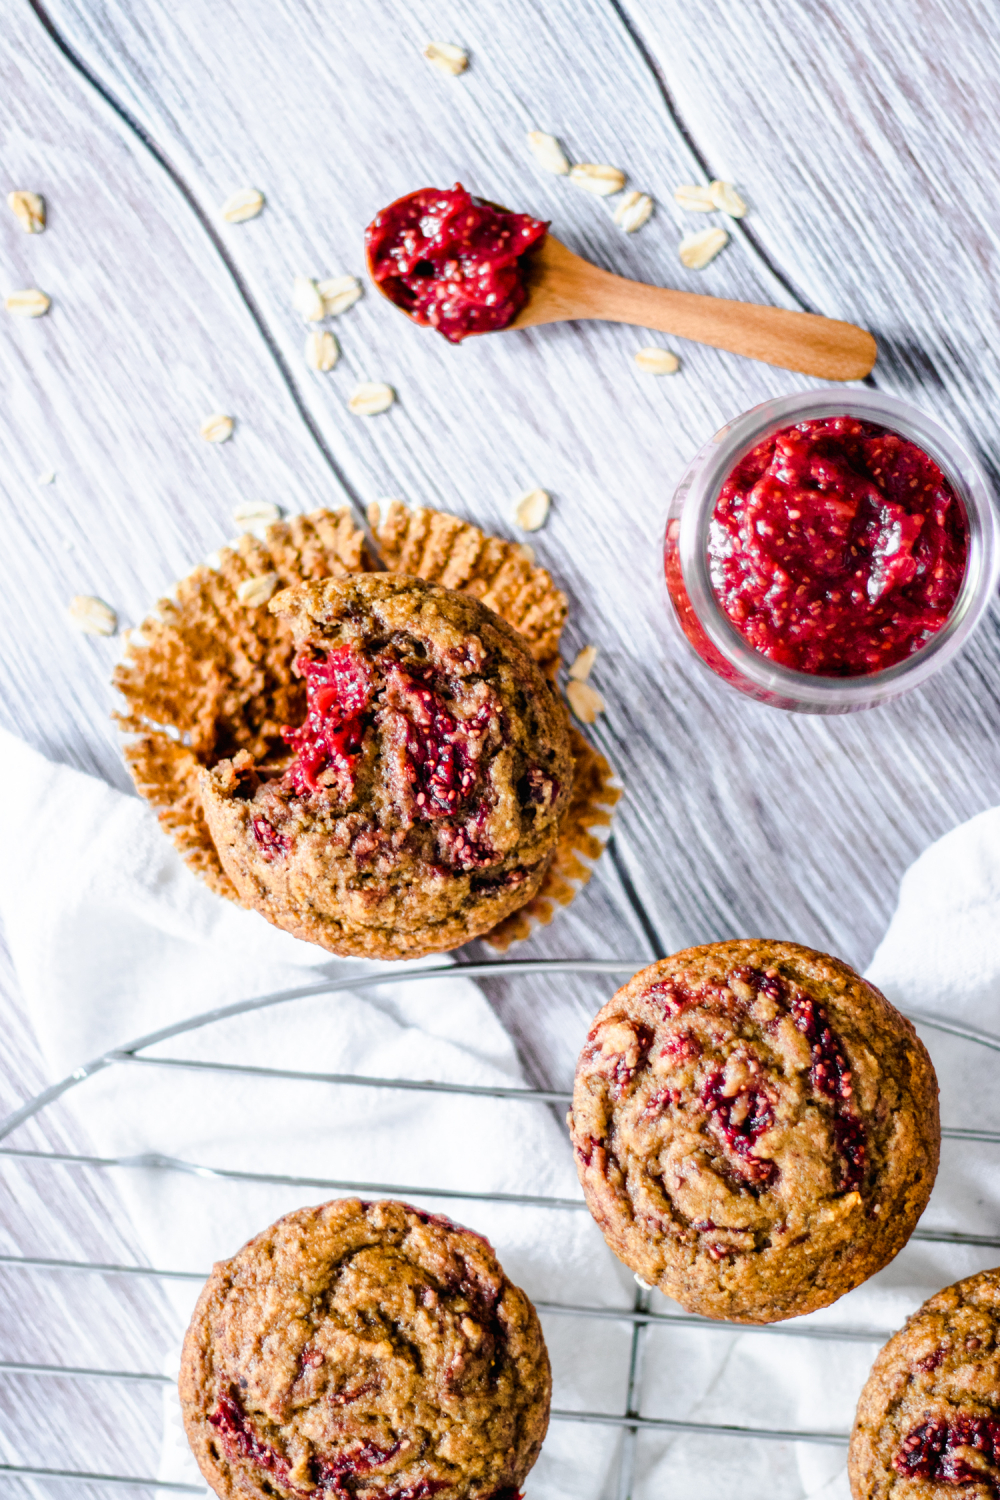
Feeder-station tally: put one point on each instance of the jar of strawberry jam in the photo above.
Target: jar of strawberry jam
(830, 550)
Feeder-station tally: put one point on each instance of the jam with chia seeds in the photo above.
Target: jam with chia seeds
(836, 547)
(451, 261)
(938, 1452)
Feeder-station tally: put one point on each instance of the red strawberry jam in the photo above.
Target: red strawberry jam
(442, 754)
(338, 693)
(837, 547)
(741, 1120)
(451, 261)
(934, 1452)
(239, 1440)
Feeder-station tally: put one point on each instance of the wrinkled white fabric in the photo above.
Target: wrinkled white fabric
(112, 937)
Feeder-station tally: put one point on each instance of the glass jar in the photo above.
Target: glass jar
(704, 623)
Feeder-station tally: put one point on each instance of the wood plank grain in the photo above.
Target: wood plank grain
(873, 202)
(736, 818)
(146, 336)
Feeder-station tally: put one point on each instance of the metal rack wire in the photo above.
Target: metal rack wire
(640, 1317)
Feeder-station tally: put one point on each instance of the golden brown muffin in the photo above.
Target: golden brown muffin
(423, 799)
(364, 1349)
(756, 1128)
(210, 672)
(929, 1416)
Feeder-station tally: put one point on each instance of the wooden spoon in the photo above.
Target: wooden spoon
(563, 287)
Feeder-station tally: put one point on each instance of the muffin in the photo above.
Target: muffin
(421, 801)
(929, 1415)
(209, 672)
(755, 1127)
(364, 1348)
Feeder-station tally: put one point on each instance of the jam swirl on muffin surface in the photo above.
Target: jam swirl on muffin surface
(928, 1419)
(365, 1348)
(422, 796)
(755, 1128)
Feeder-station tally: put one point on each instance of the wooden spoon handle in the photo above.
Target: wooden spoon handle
(793, 340)
(564, 286)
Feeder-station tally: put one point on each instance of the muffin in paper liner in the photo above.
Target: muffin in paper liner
(210, 673)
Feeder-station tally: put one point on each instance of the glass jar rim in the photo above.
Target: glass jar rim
(803, 689)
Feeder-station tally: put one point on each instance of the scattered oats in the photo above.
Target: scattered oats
(339, 293)
(633, 211)
(447, 57)
(584, 664)
(306, 299)
(31, 303)
(695, 199)
(532, 509)
(246, 204)
(585, 701)
(370, 398)
(28, 209)
(217, 428)
(47, 477)
(253, 592)
(597, 179)
(696, 250)
(657, 361)
(250, 513)
(92, 616)
(547, 152)
(322, 351)
(527, 551)
(726, 198)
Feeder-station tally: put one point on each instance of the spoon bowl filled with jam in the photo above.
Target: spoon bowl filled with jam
(830, 550)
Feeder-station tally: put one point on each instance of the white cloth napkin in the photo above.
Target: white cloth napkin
(113, 937)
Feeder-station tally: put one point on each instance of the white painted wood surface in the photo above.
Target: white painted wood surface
(866, 145)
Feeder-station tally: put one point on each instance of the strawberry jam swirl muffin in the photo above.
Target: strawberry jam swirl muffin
(755, 1128)
(421, 800)
(369, 1350)
(928, 1421)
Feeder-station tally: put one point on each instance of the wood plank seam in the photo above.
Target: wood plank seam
(159, 155)
(780, 279)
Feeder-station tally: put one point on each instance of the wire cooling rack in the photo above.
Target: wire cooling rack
(643, 1321)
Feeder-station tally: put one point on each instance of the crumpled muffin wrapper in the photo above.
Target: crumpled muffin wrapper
(206, 675)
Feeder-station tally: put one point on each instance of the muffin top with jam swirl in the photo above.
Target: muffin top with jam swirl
(755, 1127)
(364, 1349)
(928, 1421)
(419, 802)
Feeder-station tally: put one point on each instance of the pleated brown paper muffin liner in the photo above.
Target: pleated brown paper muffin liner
(210, 672)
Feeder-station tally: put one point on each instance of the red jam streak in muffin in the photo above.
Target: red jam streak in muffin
(741, 1120)
(240, 1441)
(440, 754)
(452, 262)
(338, 691)
(837, 547)
(270, 842)
(933, 1451)
(443, 754)
(830, 1076)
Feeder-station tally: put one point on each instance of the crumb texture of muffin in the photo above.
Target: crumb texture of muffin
(419, 803)
(928, 1420)
(365, 1349)
(755, 1128)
